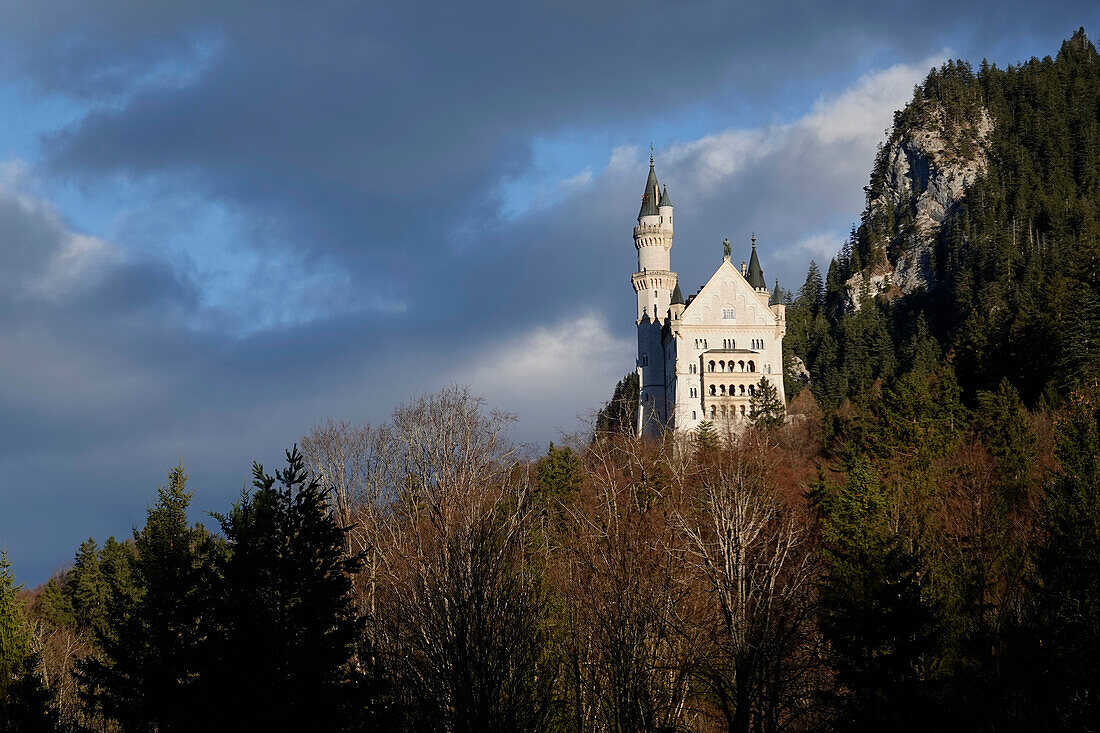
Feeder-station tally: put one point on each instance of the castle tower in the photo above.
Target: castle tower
(654, 283)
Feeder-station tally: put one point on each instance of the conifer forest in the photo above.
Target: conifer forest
(911, 543)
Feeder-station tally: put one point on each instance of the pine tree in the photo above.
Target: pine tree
(87, 588)
(881, 630)
(287, 628)
(766, 410)
(144, 678)
(1067, 626)
(705, 438)
(15, 642)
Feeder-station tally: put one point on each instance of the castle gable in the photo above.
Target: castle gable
(726, 294)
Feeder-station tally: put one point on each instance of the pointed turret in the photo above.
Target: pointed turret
(665, 200)
(756, 273)
(677, 296)
(652, 194)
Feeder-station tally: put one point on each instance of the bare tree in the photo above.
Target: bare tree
(754, 559)
(459, 621)
(630, 656)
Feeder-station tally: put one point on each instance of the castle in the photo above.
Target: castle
(701, 358)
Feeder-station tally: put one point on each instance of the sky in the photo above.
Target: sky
(222, 221)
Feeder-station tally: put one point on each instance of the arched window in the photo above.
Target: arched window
(733, 390)
(742, 390)
(752, 390)
(710, 366)
(741, 366)
(742, 410)
(693, 414)
(723, 390)
(721, 366)
(645, 360)
(752, 366)
(713, 392)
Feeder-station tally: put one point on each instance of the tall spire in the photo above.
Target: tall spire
(652, 192)
(756, 273)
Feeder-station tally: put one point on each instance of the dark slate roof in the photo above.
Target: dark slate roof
(677, 296)
(776, 299)
(665, 200)
(651, 194)
(756, 274)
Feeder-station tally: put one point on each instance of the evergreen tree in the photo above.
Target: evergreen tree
(145, 676)
(87, 589)
(705, 438)
(882, 632)
(287, 629)
(15, 642)
(620, 414)
(1066, 690)
(766, 410)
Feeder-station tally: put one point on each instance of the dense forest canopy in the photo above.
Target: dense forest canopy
(911, 544)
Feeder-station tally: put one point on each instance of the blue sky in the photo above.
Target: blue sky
(224, 221)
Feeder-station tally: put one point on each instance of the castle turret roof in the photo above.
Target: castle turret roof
(651, 195)
(665, 200)
(677, 296)
(755, 274)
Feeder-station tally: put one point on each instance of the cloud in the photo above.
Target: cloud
(44, 259)
(554, 371)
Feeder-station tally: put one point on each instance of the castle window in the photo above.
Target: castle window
(742, 390)
(733, 390)
(727, 313)
(645, 360)
(713, 412)
(710, 366)
(741, 366)
(742, 410)
(712, 391)
(752, 390)
(693, 414)
(723, 390)
(721, 366)
(752, 367)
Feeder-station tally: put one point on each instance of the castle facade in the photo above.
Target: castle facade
(701, 358)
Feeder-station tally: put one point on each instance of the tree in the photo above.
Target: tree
(144, 677)
(283, 650)
(757, 570)
(15, 640)
(705, 438)
(1067, 623)
(766, 410)
(459, 626)
(875, 614)
(620, 414)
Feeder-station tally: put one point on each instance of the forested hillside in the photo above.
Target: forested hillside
(916, 547)
(1010, 283)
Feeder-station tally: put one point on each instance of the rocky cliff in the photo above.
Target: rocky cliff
(921, 173)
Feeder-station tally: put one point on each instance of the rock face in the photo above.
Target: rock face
(925, 171)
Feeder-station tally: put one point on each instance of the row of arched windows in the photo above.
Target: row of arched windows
(719, 390)
(734, 366)
(732, 412)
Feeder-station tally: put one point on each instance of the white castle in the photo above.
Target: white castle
(699, 359)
